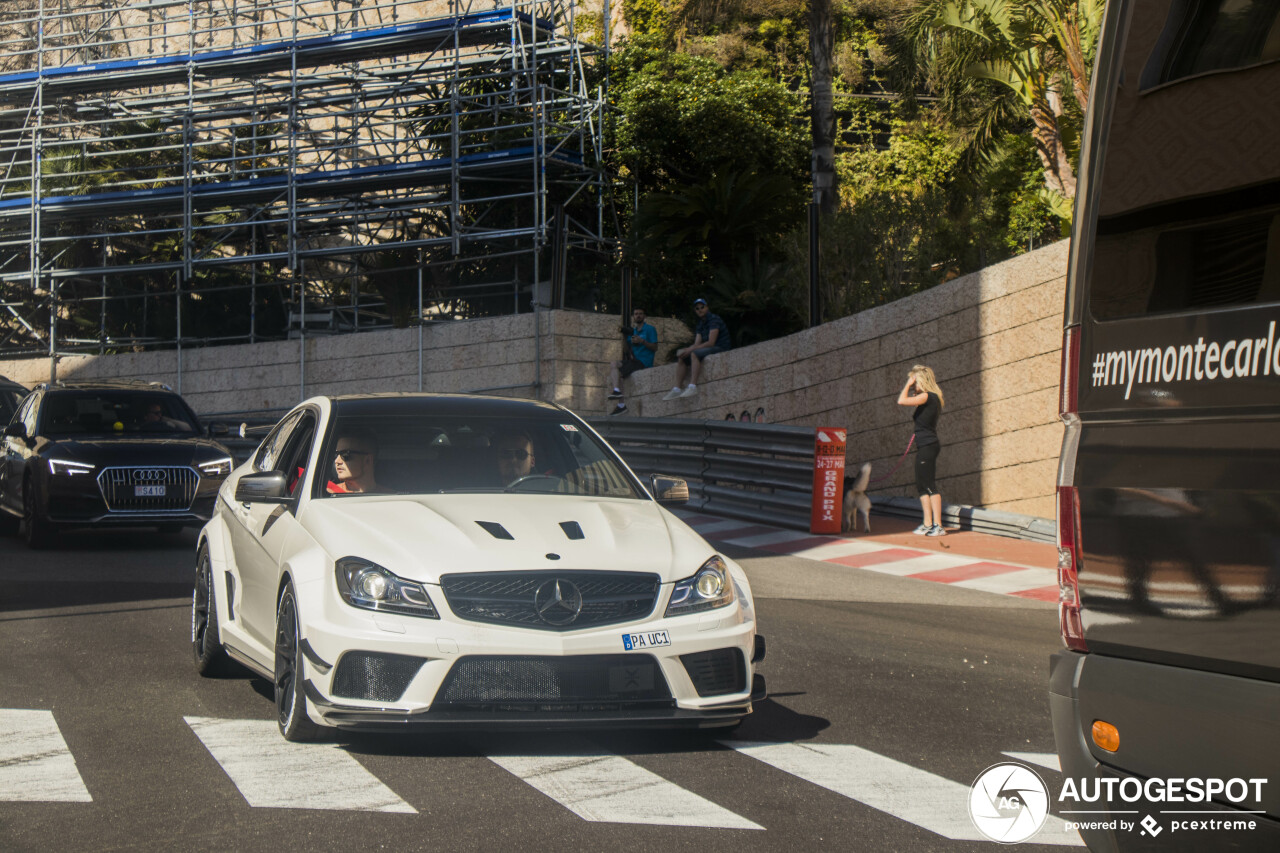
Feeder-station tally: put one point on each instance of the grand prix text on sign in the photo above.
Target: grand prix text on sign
(828, 480)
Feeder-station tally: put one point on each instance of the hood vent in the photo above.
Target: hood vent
(496, 530)
(572, 529)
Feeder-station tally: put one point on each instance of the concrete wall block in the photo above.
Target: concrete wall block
(1041, 507)
(1021, 412)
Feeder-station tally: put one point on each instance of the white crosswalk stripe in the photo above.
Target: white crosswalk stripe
(271, 772)
(908, 793)
(600, 786)
(1047, 760)
(593, 783)
(35, 764)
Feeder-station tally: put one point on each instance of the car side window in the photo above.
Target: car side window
(268, 457)
(27, 414)
(298, 453)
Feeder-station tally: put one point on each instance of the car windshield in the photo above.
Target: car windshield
(115, 413)
(422, 454)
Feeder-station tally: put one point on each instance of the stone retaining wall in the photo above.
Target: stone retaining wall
(992, 337)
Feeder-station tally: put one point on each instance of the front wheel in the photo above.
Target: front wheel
(291, 700)
(206, 640)
(37, 531)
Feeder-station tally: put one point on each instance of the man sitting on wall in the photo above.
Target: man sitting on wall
(710, 337)
(640, 343)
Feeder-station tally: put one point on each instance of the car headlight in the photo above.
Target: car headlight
(69, 468)
(370, 587)
(709, 588)
(216, 468)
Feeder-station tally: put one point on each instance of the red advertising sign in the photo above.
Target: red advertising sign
(828, 480)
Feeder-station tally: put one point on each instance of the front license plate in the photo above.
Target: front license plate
(632, 642)
(625, 679)
(148, 491)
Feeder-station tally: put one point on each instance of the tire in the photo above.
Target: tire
(37, 532)
(206, 641)
(291, 701)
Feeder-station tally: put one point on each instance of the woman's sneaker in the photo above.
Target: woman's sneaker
(922, 530)
(936, 530)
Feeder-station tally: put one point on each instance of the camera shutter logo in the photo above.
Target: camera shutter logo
(1008, 802)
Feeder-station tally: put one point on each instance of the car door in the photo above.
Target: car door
(16, 452)
(264, 527)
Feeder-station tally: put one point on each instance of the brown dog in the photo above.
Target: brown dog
(856, 500)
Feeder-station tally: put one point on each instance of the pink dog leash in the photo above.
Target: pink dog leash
(900, 458)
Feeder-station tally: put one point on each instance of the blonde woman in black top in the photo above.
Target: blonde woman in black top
(922, 391)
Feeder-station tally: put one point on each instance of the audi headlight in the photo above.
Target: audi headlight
(69, 468)
(709, 588)
(216, 468)
(370, 587)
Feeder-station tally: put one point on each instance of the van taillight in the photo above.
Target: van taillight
(1068, 569)
(1069, 404)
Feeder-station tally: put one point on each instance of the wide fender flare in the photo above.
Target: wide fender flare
(217, 538)
(310, 568)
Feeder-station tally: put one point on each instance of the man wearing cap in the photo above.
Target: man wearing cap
(710, 337)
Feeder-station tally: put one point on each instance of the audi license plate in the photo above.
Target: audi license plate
(148, 491)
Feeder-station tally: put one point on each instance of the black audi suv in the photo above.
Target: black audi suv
(107, 454)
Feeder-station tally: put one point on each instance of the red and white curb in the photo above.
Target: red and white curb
(1031, 582)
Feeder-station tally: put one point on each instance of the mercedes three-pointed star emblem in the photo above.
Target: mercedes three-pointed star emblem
(558, 602)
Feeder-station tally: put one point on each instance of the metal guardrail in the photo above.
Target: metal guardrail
(753, 472)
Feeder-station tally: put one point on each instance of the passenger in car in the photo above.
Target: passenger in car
(513, 456)
(354, 462)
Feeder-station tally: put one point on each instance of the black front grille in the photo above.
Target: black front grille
(121, 486)
(573, 683)
(514, 598)
(374, 676)
(716, 673)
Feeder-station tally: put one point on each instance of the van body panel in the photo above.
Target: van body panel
(1173, 448)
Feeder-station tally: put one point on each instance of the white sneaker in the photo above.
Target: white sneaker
(672, 394)
(936, 530)
(691, 391)
(923, 530)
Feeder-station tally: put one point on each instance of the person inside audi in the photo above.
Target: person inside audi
(154, 418)
(354, 461)
(513, 454)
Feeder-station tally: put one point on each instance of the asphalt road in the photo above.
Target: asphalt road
(924, 685)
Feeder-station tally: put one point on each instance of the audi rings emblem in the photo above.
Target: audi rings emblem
(150, 475)
(558, 602)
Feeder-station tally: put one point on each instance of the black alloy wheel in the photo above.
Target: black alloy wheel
(36, 531)
(206, 641)
(291, 700)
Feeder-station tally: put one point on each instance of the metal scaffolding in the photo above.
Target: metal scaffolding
(183, 172)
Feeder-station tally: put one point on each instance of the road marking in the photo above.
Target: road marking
(1012, 581)
(907, 793)
(270, 772)
(839, 548)
(1048, 760)
(772, 537)
(915, 565)
(603, 787)
(35, 764)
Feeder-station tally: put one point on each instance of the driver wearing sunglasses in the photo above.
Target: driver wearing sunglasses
(513, 452)
(354, 460)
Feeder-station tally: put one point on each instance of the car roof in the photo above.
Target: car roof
(9, 385)
(442, 404)
(107, 385)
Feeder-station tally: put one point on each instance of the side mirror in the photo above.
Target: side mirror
(18, 430)
(669, 491)
(217, 429)
(264, 487)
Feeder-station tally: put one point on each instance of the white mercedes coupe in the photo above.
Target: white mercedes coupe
(449, 561)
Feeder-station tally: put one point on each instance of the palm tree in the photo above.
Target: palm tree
(1032, 50)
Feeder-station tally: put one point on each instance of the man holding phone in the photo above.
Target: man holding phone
(640, 342)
